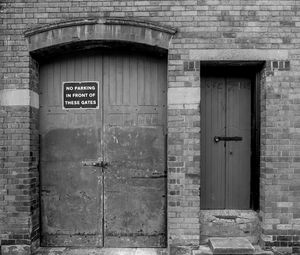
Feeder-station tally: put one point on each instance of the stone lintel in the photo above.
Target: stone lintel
(238, 55)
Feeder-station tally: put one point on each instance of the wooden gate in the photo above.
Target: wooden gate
(225, 141)
(103, 171)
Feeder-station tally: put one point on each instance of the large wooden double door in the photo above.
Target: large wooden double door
(103, 171)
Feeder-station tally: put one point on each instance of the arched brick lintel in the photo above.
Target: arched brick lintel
(109, 29)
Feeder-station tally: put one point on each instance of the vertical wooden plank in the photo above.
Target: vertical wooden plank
(155, 94)
(84, 68)
(152, 83)
(63, 78)
(162, 89)
(119, 81)
(56, 83)
(133, 80)
(96, 73)
(165, 91)
(148, 80)
(135, 181)
(133, 91)
(69, 190)
(238, 153)
(70, 75)
(112, 79)
(44, 83)
(106, 89)
(213, 160)
(126, 84)
(92, 67)
(44, 92)
(71, 69)
(50, 78)
(78, 69)
(217, 150)
(108, 96)
(141, 81)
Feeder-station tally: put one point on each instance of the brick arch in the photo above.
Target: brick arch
(92, 30)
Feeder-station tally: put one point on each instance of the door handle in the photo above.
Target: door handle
(227, 138)
(102, 164)
(98, 164)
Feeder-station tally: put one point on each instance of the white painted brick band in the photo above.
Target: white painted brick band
(186, 95)
(19, 97)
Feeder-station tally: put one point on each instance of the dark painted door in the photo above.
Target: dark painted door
(225, 142)
(128, 131)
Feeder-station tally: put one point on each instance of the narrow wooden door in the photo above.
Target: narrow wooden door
(225, 142)
(135, 148)
(71, 193)
(127, 132)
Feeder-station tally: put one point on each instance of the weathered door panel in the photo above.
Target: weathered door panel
(135, 147)
(238, 153)
(212, 154)
(135, 187)
(225, 165)
(130, 135)
(71, 193)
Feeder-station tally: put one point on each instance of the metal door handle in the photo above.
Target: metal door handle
(95, 163)
(103, 164)
(227, 138)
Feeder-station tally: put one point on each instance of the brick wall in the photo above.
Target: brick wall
(202, 24)
(15, 176)
(279, 178)
(183, 171)
(279, 182)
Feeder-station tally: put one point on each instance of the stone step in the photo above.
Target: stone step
(101, 251)
(230, 245)
(205, 250)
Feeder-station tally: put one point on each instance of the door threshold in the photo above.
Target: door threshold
(229, 223)
(99, 251)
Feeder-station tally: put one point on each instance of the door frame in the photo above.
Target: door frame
(80, 34)
(252, 70)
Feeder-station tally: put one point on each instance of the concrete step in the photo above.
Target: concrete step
(100, 251)
(205, 250)
(182, 250)
(230, 245)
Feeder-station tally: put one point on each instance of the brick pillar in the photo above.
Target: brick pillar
(183, 153)
(19, 164)
(280, 156)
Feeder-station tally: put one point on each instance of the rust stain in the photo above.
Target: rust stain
(135, 182)
(70, 194)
